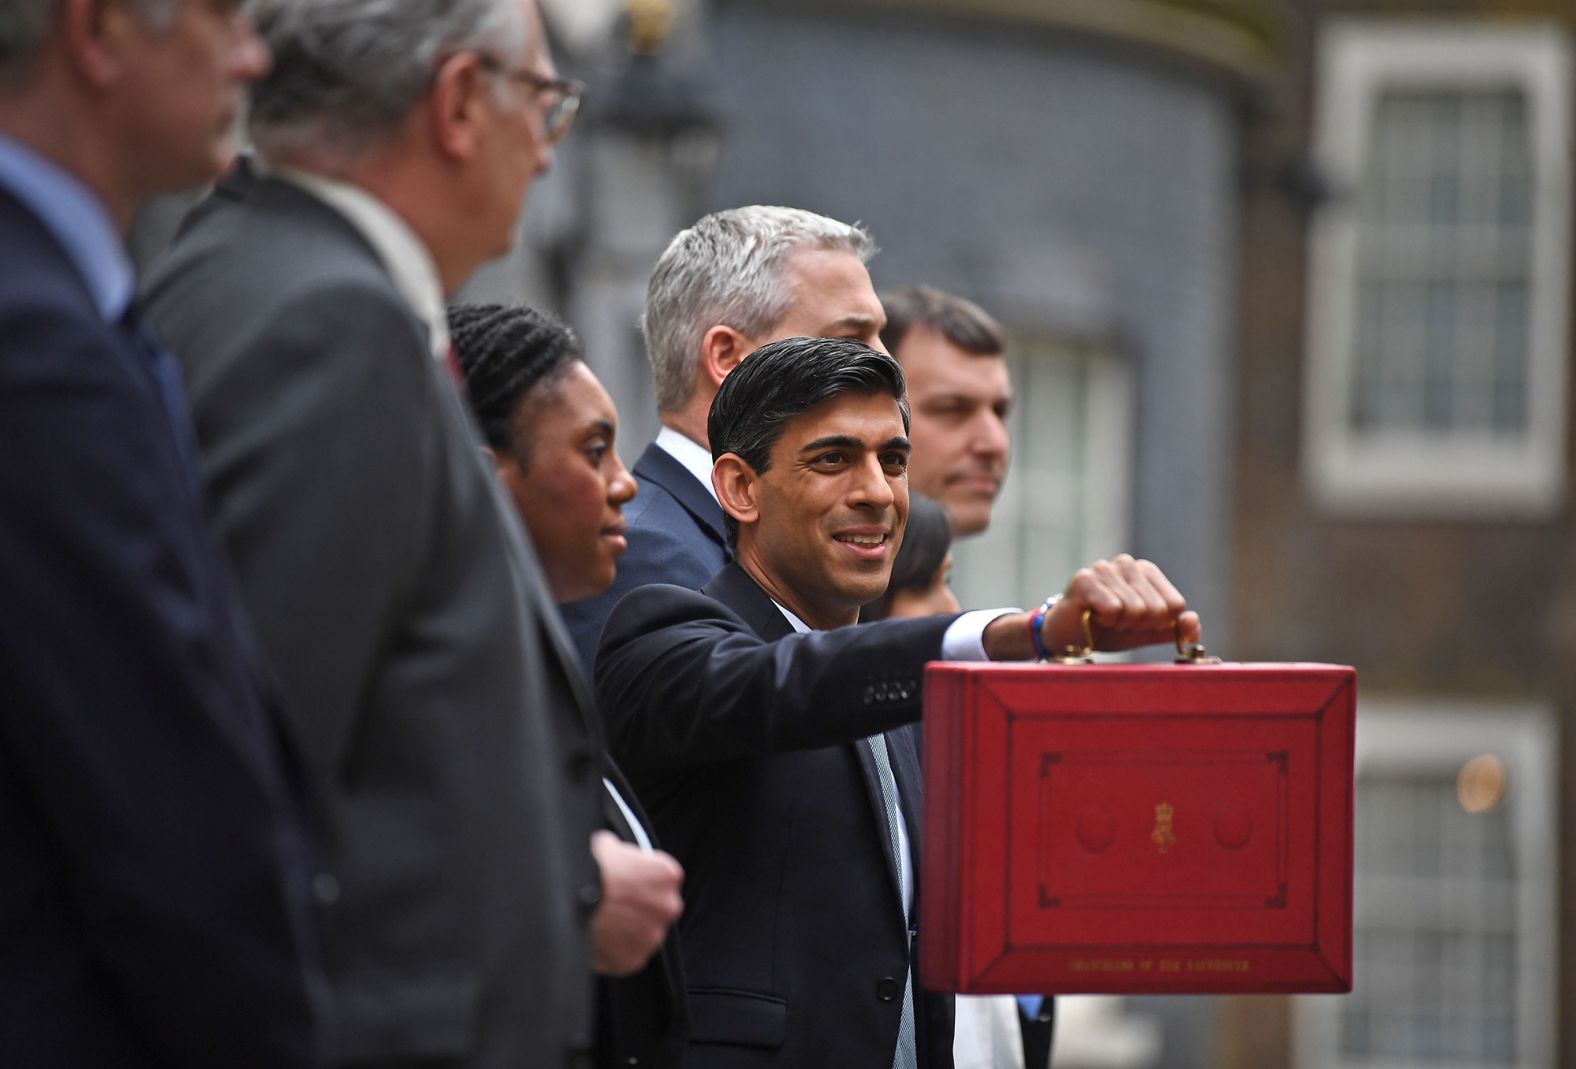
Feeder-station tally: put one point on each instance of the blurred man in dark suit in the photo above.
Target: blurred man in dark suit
(154, 901)
(427, 678)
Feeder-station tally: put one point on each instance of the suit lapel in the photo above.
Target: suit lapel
(735, 589)
(658, 465)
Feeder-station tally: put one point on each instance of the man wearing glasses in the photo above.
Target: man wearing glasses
(427, 682)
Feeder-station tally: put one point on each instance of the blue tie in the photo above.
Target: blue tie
(166, 375)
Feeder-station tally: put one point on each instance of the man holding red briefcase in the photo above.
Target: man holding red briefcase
(775, 747)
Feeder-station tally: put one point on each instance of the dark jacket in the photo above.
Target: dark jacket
(153, 902)
(426, 676)
(675, 536)
(742, 739)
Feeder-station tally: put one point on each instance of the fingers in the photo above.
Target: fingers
(1133, 604)
(640, 900)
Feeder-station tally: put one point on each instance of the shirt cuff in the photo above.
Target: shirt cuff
(964, 640)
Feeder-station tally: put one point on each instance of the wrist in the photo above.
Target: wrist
(1037, 627)
(1006, 638)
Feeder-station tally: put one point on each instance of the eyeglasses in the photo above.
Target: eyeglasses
(563, 96)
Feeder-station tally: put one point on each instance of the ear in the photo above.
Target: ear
(738, 488)
(455, 105)
(94, 33)
(721, 350)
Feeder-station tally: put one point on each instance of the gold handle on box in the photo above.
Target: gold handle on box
(1187, 652)
(1078, 654)
(1191, 653)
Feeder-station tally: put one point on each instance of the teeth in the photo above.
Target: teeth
(863, 540)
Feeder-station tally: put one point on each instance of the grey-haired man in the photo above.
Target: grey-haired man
(154, 897)
(734, 281)
(429, 684)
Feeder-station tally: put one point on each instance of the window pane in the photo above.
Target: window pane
(1436, 934)
(1440, 340)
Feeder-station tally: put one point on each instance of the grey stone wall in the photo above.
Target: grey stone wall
(1069, 186)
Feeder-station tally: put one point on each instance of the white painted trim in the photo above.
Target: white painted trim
(1417, 474)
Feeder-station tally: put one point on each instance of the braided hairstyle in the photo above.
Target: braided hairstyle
(507, 353)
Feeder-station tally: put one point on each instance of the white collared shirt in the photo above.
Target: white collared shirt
(404, 256)
(695, 457)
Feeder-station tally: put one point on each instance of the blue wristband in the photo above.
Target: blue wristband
(1037, 626)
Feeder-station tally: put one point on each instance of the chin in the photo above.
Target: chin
(862, 594)
(969, 518)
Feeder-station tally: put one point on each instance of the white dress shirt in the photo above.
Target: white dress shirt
(404, 256)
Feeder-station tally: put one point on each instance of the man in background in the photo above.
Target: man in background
(429, 684)
(154, 901)
(734, 281)
(952, 353)
(958, 386)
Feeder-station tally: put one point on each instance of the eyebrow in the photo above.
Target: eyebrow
(846, 441)
(860, 322)
(951, 396)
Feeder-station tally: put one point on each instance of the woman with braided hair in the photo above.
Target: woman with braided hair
(549, 426)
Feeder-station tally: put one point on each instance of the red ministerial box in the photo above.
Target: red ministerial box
(1137, 828)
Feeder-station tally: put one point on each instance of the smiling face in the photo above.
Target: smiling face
(570, 488)
(824, 522)
(960, 402)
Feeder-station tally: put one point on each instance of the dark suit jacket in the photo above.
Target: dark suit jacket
(741, 739)
(675, 536)
(426, 676)
(153, 898)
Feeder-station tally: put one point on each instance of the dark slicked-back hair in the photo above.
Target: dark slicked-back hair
(927, 536)
(507, 353)
(784, 379)
(963, 323)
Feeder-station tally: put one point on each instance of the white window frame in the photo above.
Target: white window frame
(1416, 474)
(1439, 736)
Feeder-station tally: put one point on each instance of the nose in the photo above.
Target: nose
(990, 436)
(621, 487)
(871, 487)
(251, 58)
